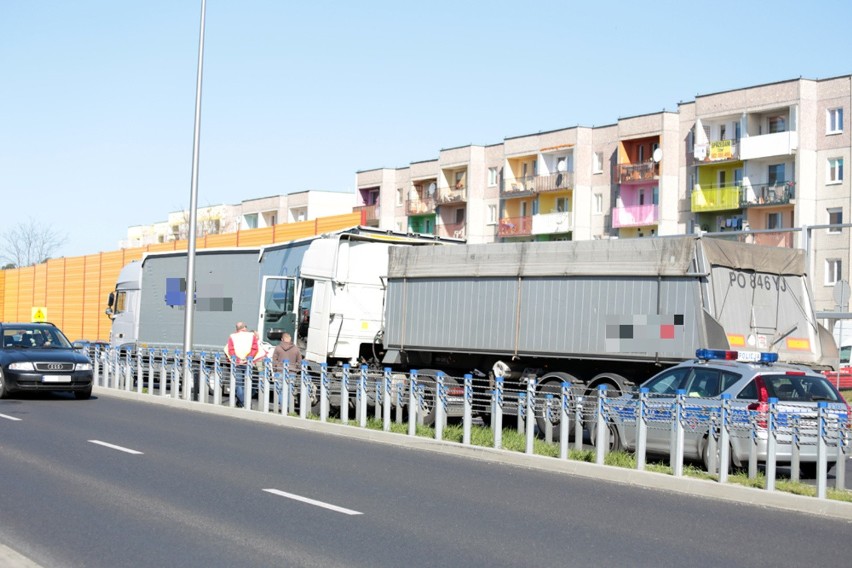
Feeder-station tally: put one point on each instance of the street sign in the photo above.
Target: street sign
(39, 314)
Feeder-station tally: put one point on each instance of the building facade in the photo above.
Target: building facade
(768, 159)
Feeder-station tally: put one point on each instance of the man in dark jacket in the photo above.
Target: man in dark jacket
(286, 351)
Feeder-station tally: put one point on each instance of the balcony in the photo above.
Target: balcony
(716, 198)
(718, 151)
(779, 193)
(515, 227)
(448, 195)
(420, 206)
(518, 187)
(455, 230)
(560, 181)
(767, 145)
(638, 173)
(369, 214)
(549, 223)
(635, 216)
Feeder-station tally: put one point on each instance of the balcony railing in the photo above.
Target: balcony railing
(716, 198)
(518, 186)
(549, 223)
(766, 145)
(369, 213)
(420, 206)
(638, 173)
(515, 227)
(718, 151)
(447, 195)
(455, 230)
(560, 181)
(635, 216)
(779, 193)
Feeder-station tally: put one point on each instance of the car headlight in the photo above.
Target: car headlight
(83, 367)
(22, 366)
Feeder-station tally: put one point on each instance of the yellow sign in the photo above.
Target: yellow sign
(798, 344)
(721, 150)
(39, 314)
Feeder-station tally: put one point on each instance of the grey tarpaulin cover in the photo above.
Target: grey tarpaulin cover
(672, 256)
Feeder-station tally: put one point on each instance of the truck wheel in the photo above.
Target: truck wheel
(427, 379)
(614, 444)
(551, 383)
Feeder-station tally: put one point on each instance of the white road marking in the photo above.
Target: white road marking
(313, 502)
(114, 447)
(10, 418)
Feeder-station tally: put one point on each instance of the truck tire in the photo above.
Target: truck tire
(616, 384)
(551, 383)
(427, 379)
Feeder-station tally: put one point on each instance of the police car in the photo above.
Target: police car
(751, 379)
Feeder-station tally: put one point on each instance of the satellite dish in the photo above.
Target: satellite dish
(658, 155)
(561, 165)
(432, 187)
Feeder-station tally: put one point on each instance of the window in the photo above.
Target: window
(598, 203)
(460, 180)
(597, 163)
(832, 271)
(738, 177)
(561, 204)
(399, 196)
(737, 131)
(773, 221)
(835, 217)
(251, 221)
(459, 216)
(834, 121)
(777, 124)
(722, 178)
(835, 170)
(641, 153)
(723, 131)
(492, 177)
(492, 214)
(776, 174)
(524, 206)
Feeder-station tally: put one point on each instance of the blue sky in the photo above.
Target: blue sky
(97, 96)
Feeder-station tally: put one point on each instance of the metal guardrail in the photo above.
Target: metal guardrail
(431, 397)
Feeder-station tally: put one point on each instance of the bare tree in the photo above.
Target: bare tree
(29, 243)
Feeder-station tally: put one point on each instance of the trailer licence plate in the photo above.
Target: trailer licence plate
(56, 379)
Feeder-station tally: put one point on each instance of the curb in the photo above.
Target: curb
(646, 479)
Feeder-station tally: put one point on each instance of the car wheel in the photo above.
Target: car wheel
(614, 442)
(705, 458)
(83, 394)
(3, 392)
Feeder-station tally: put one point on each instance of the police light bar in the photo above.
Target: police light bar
(749, 356)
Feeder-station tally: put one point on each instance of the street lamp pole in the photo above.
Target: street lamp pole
(193, 215)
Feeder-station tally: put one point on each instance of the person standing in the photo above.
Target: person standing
(241, 349)
(286, 351)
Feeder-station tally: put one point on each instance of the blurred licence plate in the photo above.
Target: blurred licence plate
(56, 379)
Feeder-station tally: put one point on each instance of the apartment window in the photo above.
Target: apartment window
(655, 195)
(561, 204)
(737, 132)
(723, 131)
(834, 121)
(251, 221)
(492, 177)
(773, 221)
(492, 214)
(776, 174)
(641, 153)
(835, 170)
(738, 177)
(523, 208)
(399, 196)
(722, 178)
(777, 124)
(598, 203)
(832, 271)
(460, 181)
(459, 216)
(597, 163)
(835, 217)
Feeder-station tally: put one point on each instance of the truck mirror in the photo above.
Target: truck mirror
(110, 301)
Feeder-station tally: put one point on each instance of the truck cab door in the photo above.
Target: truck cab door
(319, 322)
(277, 310)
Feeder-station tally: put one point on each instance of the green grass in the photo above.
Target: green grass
(515, 442)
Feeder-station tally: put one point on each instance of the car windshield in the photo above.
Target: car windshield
(793, 388)
(34, 338)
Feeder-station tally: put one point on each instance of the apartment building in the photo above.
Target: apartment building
(252, 213)
(766, 158)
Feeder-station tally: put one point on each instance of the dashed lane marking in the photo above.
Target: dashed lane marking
(114, 447)
(313, 502)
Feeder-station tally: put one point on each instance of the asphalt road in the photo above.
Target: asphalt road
(209, 490)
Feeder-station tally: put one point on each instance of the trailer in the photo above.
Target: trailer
(610, 312)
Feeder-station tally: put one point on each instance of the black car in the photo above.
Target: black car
(38, 357)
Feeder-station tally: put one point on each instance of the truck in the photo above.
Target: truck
(256, 285)
(602, 312)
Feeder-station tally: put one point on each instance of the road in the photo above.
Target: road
(196, 493)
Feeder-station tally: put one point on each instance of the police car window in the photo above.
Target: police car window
(704, 383)
(668, 383)
(749, 392)
(729, 380)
